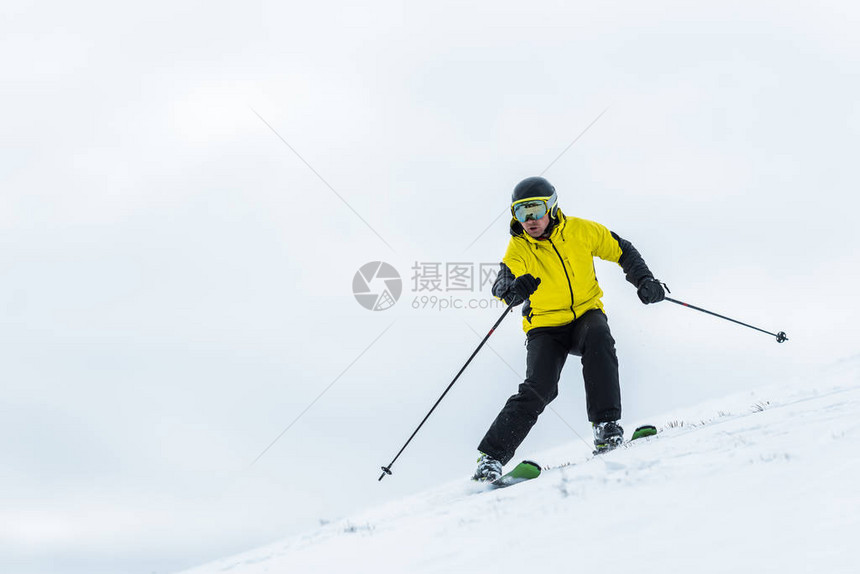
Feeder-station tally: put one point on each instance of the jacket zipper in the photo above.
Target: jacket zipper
(566, 275)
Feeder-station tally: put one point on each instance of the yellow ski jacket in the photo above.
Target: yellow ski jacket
(564, 262)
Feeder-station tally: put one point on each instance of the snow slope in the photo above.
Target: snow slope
(762, 482)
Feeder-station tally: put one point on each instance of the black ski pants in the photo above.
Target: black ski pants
(547, 349)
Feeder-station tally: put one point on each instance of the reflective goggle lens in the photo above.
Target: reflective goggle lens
(529, 210)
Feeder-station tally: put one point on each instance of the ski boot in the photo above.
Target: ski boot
(489, 469)
(607, 436)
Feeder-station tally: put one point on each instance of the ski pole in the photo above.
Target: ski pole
(780, 337)
(387, 469)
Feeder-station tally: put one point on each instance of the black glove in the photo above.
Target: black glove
(522, 287)
(651, 291)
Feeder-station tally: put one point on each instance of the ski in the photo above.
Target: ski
(526, 470)
(643, 431)
(640, 432)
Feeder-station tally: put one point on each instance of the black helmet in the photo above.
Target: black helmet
(536, 188)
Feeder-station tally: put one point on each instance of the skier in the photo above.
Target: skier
(549, 266)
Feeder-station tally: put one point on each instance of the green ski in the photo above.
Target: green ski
(643, 431)
(526, 470)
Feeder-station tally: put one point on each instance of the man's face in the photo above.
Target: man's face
(536, 227)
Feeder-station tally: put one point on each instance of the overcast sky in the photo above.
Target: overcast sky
(189, 188)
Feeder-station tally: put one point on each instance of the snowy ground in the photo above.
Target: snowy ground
(762, 482)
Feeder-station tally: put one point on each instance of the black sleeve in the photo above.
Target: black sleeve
(632, 263)
(504, 280)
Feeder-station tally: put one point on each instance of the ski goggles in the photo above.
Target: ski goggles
(532, 207)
